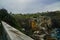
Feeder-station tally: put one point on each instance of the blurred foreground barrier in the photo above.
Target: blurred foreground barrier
(11, 33)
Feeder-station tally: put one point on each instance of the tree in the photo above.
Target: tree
(5, 16)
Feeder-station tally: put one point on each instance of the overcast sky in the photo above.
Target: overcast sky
(30, 6)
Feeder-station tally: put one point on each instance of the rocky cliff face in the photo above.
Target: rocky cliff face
(44, 25)
(43, 22)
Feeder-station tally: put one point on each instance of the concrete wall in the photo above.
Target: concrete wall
(11, 33)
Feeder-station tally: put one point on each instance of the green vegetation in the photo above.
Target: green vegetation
(55, 16)
(23, 18)
(21, 21)
(5, 16)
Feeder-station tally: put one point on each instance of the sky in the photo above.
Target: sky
(30, 6)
